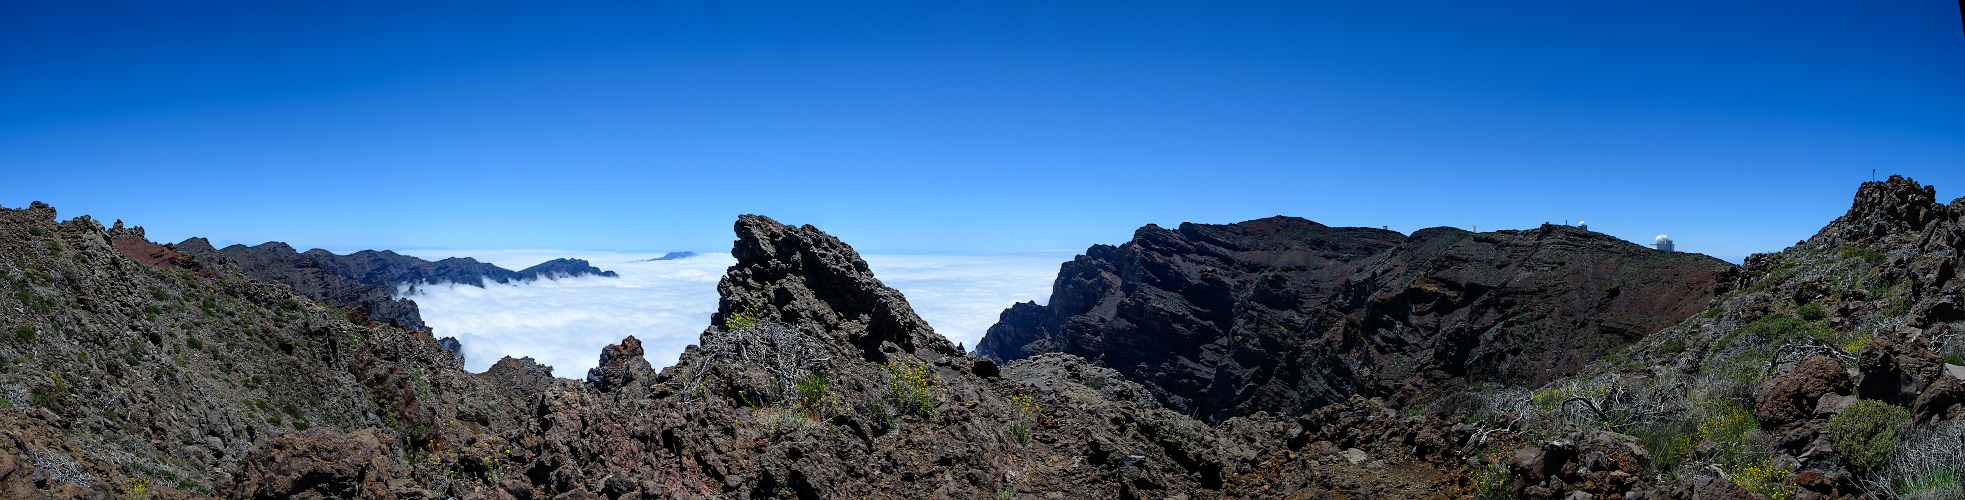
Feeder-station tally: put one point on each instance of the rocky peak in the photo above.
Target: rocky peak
(803, 276)
(118, 231)
(1895, 206)
(620, 366)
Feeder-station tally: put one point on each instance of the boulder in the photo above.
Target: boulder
(1938, 400)
(1794, 396)
(1894, 373)
(318, 463)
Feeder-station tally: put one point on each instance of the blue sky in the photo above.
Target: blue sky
(968, 126)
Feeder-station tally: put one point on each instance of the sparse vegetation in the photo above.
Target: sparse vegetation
(25, 333)
(1928, 463)
(137, 488)
(1811, 312)
(1867, 255)
(913, 385)
(814, 393)
(878, 414)
(1023, 415)
(1672, 346)
(1494, 482)
(742, 319)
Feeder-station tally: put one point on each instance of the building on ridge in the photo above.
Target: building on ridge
(1583, 225)
(1663, 243)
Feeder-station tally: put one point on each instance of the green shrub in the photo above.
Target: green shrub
(25, 333)
(194, 343)
(45, 395)
(1954, 359)
(158, 293)
(1673, 346)
(1782, 328)
(1898, 306)
(1865, 432)
(189, 485)
(36, 230)
(1811, 312)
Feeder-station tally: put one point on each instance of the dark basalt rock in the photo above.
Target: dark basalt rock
(800, 275)
(1284, 314)
(621, 366)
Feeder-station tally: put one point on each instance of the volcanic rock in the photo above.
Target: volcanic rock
(1794, 395)
(1284, 314)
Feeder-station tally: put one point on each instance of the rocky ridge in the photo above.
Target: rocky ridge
(1287, 315)
(366, 281)
(172, 380)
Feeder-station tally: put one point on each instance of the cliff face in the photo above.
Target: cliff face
(1284, 314)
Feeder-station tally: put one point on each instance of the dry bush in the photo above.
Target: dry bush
(787, 354)
(1464, 404)
(1927, 463)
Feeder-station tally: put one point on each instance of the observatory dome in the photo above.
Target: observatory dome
(1662, 239)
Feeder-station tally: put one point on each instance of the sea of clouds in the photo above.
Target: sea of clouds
(564, 323)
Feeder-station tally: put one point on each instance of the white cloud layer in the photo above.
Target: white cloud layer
(667, 304)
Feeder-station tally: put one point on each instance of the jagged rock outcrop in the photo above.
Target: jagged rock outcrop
(1284, 314)
(800, 275)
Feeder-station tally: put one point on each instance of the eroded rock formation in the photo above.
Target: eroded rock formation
(1284, 314)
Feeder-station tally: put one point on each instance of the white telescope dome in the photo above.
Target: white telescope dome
(1662, 239)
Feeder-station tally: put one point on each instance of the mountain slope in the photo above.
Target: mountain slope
(1284, 314)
